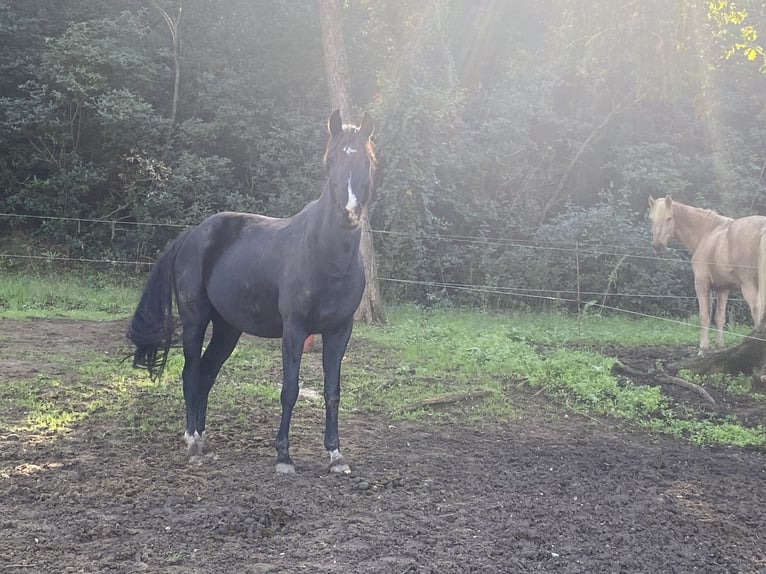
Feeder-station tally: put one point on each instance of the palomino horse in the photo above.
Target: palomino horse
(726, 254)
(269, 277)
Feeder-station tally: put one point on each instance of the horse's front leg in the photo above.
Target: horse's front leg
(292, 348)
(703, 298)
(722, 297)
(333, 348)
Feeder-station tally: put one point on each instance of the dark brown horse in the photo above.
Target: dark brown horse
(287, 278)
(726, 254)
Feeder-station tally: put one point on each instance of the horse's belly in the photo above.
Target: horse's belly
(258, 316)
(250, 310)
(255, 323)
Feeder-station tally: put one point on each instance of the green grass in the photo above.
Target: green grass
(562, 355)
(468, 352)
(68, 294)
(473, 365)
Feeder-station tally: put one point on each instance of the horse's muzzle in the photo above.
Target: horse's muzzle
(350, 219)
(659, 248)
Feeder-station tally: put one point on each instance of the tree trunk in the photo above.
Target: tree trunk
(371, 307)
(175, 33)
(335, 61)
(748, 357)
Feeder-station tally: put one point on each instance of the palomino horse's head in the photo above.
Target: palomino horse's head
(663, 225)
(350, 160)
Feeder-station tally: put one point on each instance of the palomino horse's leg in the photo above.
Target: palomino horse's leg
(333, 348)
(193, 337)
(750, 294)
(292, 349)
(222, 343)
(703, 298)
(722, 297)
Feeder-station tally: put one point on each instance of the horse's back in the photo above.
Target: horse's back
(254, 271)
(731, 252)
(215, 269)
(744, 240)
(746, 231)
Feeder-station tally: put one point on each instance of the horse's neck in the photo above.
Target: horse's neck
(694, 223)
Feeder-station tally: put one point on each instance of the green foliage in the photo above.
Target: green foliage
(585, 381)
(516, 141)
(705, 432)
(734, 29)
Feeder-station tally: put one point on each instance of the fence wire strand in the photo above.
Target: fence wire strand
(562, 296)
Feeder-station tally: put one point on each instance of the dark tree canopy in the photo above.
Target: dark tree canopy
(530, 129)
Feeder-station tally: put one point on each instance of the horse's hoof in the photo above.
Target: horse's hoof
(340, 468)
(195, 444)
(285, 468)
(338, 464)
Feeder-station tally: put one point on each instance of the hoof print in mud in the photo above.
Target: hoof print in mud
(276, 518)
(202, 459)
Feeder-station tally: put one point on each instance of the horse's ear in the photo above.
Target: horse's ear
(334, 124)
(368, 127)
(651, 201)
(668, 201)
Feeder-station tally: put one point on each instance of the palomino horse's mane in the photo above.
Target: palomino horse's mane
(707, 214)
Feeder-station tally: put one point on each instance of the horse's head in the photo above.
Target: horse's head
(663, 225)
(350, 160)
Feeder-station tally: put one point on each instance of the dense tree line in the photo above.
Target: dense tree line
(533, 130)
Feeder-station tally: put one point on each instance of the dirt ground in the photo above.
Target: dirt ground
(549, 493)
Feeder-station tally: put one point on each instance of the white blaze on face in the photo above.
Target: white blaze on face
(352, 202)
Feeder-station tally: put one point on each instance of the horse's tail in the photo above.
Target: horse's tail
(152, 327)
(761, 279)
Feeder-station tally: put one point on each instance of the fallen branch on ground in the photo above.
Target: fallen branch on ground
(747, 357)
(670, 379)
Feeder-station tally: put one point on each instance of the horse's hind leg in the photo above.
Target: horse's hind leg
(222, 343)
(292, 349)
(750, 295)
(193, 337)
(333, 348)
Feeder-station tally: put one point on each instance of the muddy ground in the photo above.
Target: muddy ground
(548, 493)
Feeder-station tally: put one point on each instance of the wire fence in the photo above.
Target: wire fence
(576, 297)
(628, 251)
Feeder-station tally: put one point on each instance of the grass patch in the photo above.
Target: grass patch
(735, 384)
(85, 295)
(704, 432)
(468, 351)
(457, 365)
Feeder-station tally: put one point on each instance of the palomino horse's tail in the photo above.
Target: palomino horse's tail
(761, 301)
(152, 327)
